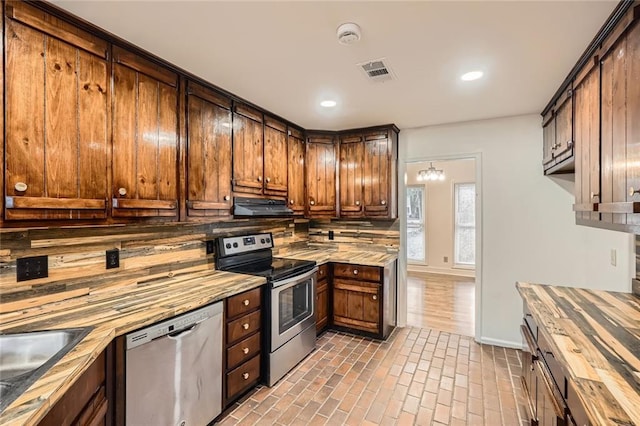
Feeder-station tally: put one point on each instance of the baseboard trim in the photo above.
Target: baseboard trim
(468, 273)
(501, 343)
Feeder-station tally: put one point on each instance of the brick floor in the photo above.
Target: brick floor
(418, 376)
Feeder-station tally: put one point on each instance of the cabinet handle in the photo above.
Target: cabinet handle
(268, 179)
(246, 302)
(122, 192)
(245, 350)
(374, 297)
(245, 326)
(569, 143)
(291, 202)
(355, 272)
(594, 195)
(20, 186)
(357, 203)
(633, 191)
(313, 203)
(227, 198)
(245, 376)
(383, 202)
(259, 178)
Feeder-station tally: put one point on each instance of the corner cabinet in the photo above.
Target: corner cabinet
(145, 138)
(57, 113)
(296, 167)
(208, 156)
(364, 299)
(320, 161)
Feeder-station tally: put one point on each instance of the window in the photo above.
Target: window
(416, 250)
(465, 225)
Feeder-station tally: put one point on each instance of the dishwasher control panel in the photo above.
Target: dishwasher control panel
(172, 325)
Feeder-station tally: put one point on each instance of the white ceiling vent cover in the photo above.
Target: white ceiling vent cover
(377, 71)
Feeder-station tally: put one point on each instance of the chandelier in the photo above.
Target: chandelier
(431, 173)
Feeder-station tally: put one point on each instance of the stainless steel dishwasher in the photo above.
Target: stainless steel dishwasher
(174, 370)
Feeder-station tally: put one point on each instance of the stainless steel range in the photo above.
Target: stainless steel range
(290, 303)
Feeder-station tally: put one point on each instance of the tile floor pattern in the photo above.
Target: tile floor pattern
(418, 376)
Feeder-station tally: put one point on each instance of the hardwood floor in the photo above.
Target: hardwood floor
(416, 377)
(441, 302)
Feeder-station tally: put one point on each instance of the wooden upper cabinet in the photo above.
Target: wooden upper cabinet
(275, 155)
(321, 175)
(208, 156)
(351, 171)
(247, 150)
(295, 163)
(548, 139)
(145, 138)
(380, 174)
(587, 136)
(558, 141)
(57, 115)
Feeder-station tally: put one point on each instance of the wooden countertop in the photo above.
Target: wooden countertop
(368, 258)
(112, 312)
(596, 335)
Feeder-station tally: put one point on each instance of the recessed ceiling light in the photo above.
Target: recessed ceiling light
(472, 75)
(328, 104)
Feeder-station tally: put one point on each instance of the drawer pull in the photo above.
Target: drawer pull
(374, 297)
(226, 198)
(357, 203)
(246, 302)
(20, 187)
(383, 202)
(313, 203)
(245, 350)
(291, 202)
(245, 326)
(122, 192)
(355, 272)
(245, 376)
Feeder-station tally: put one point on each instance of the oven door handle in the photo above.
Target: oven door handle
(295, 280)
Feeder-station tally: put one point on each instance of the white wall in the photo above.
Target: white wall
(440, 204)
(528, 228)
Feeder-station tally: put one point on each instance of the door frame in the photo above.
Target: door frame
(402, 258)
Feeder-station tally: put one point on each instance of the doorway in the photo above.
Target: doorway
(441, 220)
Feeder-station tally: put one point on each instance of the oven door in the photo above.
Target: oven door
(292, 307)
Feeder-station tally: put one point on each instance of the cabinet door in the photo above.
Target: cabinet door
(322, 305)
(351, 169)
(548, 139)
(56, 120)
(377, 175)
(563, 148)
(208, 153)
(247, 150)
(295, 180)
(356, 305)
(145, 138)
(321, 176)
(275, 158)
(587, 141)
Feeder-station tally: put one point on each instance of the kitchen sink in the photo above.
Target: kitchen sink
(24, 357)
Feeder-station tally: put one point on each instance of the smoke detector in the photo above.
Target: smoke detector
(348, 33)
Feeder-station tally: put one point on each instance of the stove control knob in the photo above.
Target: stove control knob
(235, 245)
(268, 240)
(228, 245)
(262, 240)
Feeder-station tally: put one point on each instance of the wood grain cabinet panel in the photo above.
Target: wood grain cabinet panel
(321, 165)
(352, 158)
(275, 158)
(296, 167)
(145, 138)
(322, 304)
(57, 114)
(356, 305)
(379, 182)
(248, 146)
(208, 157)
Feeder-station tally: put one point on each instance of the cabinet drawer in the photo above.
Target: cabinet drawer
(243, 377)
(323, 272)
(242, 351)
(358, 272)
(243, 327)
(244, 302)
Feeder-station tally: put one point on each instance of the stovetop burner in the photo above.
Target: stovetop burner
(277, 269)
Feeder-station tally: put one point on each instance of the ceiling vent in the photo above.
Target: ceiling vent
(377, 71)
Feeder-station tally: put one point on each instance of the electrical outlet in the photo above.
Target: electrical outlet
(30, 268)
(209, 245)
(331, 235)
(113, 259)
(446, 259)
(613, 257)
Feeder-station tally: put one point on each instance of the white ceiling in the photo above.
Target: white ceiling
(284, 56)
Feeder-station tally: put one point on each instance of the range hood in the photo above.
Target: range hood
(265, 207)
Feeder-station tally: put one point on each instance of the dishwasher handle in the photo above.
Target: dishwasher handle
(184, 332)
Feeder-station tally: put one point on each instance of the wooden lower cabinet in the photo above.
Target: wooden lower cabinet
(363, 299)
(86, 402)
(322, 299)
(243, 323)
